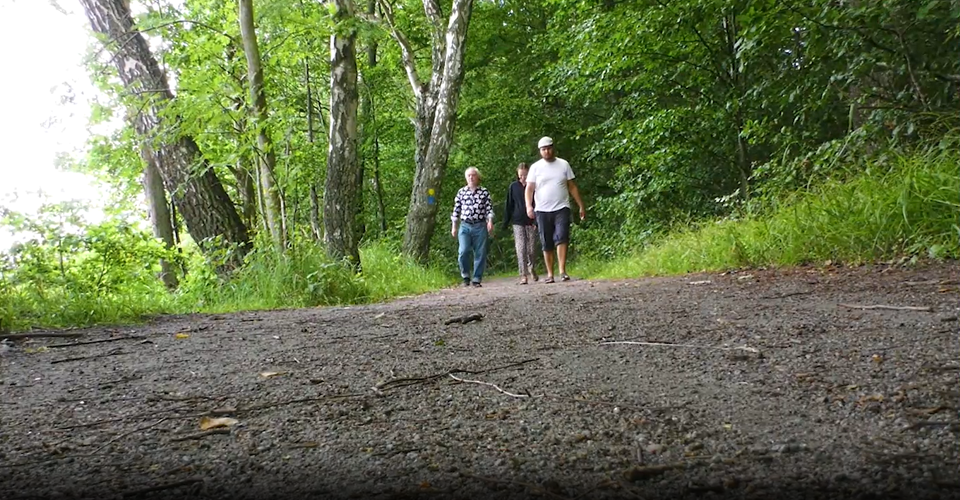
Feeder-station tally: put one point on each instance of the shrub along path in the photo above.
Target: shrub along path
(802, 382)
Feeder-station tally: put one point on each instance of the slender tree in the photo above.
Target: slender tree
(341, 198)
(159, 211)
(195, 189)
(267, 158)
(436, 112)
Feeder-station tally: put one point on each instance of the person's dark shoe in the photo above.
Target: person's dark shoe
(466, 282)
(476, 284)
(549, 279)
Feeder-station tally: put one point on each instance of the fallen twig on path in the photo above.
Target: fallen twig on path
(464, 319)
(201, 434)
(648, 471)
(951, 425)
(113, 352)
(125, 434)
(405, 381)
(135, 416)
(531, 486)
(100, 341)
(296, 401)
(890, 308)
(508, 393)
(162, 487)
(18, 336)
(783, 296)
(668, 344)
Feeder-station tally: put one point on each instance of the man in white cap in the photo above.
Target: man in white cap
(550, 185)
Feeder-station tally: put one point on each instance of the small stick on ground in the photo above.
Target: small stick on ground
(886, 307)
(125, 434)
(19, 336)
(466, 381)
(162, 487)
(296, 401)
(667, 344)
(114, 352)
(785, 295)
(403, 382)
(533, 487)
(953, 426)
(201, 434)
(464, 319)
(647, 471)
(100, 341)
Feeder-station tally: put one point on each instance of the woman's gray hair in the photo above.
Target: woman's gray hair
(474, 169)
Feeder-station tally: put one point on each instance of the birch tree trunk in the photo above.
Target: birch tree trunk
(159, 215)
(341, 197)
(267, 160)
(436, 112)
(195, 189)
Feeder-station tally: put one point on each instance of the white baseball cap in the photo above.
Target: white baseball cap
(544, 142)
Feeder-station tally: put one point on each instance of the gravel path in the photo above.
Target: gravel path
(749, 384)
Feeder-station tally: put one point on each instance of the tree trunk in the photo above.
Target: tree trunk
(744, 169)
(195, 189)
(341, 195)
(159, 215)
(436, 109)
(315, 225)
(272, 210)
(248, 192)
(381, 206)
(370, 132)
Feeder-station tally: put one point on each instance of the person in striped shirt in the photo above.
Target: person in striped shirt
(474, 209)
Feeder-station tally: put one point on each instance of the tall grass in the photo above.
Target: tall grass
(301, 277)
(910, 208)
(306, 277)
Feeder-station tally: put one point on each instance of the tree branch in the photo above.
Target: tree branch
(409, 63)
(432, 9)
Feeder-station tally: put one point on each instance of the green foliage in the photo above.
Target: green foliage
(906, 206)
(70, 273)
(794, 124)
(305, 277)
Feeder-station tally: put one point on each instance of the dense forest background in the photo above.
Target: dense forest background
(291, 153)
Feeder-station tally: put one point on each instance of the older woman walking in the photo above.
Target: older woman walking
(473, 208)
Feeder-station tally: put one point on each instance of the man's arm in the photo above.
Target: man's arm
(488, 200)
(508, 208)
(528, 197)
(572, 186)
(455, 215)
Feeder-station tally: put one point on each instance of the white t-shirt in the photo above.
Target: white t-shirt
(551, 192)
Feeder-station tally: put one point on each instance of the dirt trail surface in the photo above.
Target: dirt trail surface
(788, 383)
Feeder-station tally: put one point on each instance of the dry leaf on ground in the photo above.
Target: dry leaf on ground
(207, 423)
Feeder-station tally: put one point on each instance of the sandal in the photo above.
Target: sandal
(564, 277)
(549, 279)
(523, 281)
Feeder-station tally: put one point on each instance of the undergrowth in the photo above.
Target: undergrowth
(907, 207)
(903, 206)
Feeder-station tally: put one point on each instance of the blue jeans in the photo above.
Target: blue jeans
(473, 240)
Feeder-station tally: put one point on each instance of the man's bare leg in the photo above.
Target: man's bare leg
(562, 258)
(548, 261)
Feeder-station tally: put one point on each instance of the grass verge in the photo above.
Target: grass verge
(907, 209)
